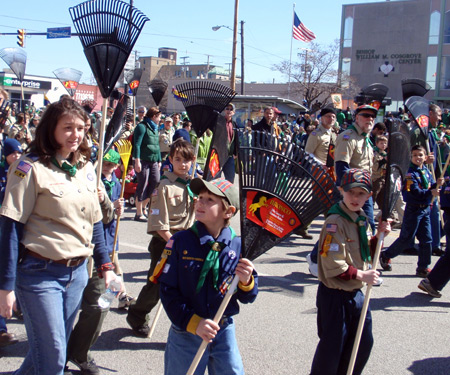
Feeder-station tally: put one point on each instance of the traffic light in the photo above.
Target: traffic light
(21, 37)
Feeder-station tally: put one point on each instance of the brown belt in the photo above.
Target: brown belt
(73, 262)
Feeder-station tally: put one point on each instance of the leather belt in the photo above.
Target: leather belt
(72, 262)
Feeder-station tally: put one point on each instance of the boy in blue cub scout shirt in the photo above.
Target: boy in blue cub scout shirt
(344, 268)
(195, 271)
(418, 193)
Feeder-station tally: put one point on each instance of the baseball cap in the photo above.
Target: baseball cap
(326, 110)
(220, 187)
(356, 178)
(231, 105)
(11, 145)
(367, 108)
(112, 156)
(276, 110)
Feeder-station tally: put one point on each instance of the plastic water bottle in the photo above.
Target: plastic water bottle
(106, 298)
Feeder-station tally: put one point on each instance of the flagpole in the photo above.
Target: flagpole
(290, 55)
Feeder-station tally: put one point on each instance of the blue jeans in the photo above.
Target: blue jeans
(416, 223)
(435, 226)
(368, 210)
(2, 324)
(50, 296)
(229, 170)
(221, 356)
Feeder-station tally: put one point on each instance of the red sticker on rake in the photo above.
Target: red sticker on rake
(271, 213)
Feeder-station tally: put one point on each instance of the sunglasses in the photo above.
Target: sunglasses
(367, 115)
(228, 109)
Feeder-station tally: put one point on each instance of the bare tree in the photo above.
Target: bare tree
(314, 76)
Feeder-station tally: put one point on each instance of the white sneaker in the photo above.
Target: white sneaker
(313, 268)
(125, 300)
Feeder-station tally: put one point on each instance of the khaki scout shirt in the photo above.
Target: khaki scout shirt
(318, 143)
(171, 207)
(344, 250)
(353, 148)
(58, 210)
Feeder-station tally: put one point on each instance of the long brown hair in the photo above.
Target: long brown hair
(45, 144)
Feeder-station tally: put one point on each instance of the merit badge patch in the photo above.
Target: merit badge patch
(154, 211)
(90, 176)
(22, 169)
(232, 254)
(331, 228)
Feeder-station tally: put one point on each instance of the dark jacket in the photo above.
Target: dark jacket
(146, 141)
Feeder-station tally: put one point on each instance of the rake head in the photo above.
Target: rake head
(158, 89)
(133, 79)
(108, 30)
(203, 101)
(69, 78)
(414, 87)
(16, 58)
(281, 188)
(88, 105)
(124, 148)
(123, 113)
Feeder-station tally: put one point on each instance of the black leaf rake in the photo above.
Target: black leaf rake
(108, 30)
(281, 188)
(203, 101)
(16, 58)
(157, 89)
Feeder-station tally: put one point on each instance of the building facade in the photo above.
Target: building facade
(389, 41)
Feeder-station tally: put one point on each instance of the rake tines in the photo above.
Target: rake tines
(108, 30)
(158, 89)
(115, 127)
(282, 188)
(16, 58)
(69, 78)
(203, 101)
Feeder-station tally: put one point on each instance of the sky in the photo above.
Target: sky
(184, 25)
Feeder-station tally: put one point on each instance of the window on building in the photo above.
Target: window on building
(431, 71)
(445, 73)
(348, 31)
(435, 24)
(346, 62)
(447, 28)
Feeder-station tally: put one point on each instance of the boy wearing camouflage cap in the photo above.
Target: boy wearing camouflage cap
(344, 268)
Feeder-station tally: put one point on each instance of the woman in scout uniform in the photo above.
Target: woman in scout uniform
(50, 223)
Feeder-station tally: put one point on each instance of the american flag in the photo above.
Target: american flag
(300, 31)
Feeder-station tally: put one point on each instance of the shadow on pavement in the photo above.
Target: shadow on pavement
(435, 366)
(410, 301)
(113, 340)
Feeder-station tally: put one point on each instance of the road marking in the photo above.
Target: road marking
(124, 245)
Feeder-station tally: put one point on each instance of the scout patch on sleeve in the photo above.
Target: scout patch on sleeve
(334, 247)
(155, 193)
(331, 228)
(313, 133)
(22, 169)
(346, 137)
(154, 211)
(169, 244)
(326, 245)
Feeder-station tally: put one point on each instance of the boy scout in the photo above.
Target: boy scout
(172, 210)
(343, 270)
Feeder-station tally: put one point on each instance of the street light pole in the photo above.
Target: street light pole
(233, 57)
(242, 58)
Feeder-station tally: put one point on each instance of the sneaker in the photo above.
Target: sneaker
(313, 268)
(379, 282)
(125, 300)
(141, 218)
(438, 252)
(7, 338)
(425, 285)
(385, 263)
(422, 272)
(302, 232)
(140, 331)
(86, 368)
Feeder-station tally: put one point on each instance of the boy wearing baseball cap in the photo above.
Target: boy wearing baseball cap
(195, 272)
(344, 268)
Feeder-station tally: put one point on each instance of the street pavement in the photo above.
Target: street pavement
(277, 334)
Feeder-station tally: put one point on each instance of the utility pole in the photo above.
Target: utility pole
(184, 64)
(207, 65)
(233, 56)
(242, 58)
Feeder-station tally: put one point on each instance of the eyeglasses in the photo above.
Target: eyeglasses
(367, 115)
(141, 112)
